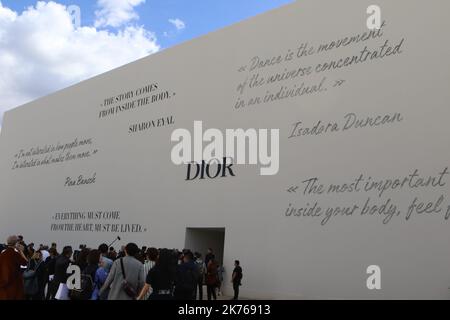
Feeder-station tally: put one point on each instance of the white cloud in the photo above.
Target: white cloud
(179, 24)
(41, 51)
(115, 13)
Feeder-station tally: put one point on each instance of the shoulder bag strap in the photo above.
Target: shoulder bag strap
(123, 269)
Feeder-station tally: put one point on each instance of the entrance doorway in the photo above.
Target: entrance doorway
(200, 239)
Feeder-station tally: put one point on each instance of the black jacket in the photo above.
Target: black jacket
(61, 265)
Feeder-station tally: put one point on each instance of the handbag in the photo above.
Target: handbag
(129, 290)
(31, 284)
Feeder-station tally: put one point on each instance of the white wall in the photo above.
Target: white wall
(282, 257)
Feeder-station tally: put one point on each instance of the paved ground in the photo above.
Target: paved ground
(222, 297)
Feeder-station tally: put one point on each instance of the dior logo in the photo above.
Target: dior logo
(212, 169)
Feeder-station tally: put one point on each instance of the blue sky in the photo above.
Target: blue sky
(200, 16)
(42, 50)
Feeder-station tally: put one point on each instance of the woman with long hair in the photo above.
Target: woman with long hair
(160, 278)
(212, 278)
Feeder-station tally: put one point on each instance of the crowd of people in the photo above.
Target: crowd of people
(133, 273)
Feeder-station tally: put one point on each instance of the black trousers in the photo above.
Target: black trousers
(236, 290)
(52, 290)
(184, 294)
(211, 292)
(200, 289)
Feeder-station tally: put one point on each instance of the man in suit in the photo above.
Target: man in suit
(11, 279)
(61, 265)
(186, 280)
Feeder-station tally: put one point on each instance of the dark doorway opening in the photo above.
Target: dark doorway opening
(200, 239)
